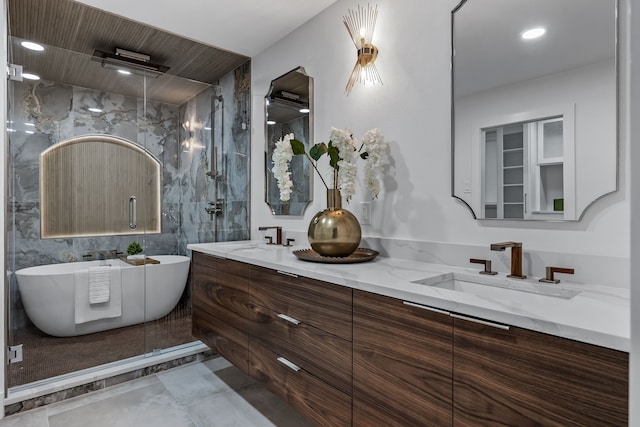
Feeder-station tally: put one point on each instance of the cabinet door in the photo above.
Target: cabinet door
(522, 378)
(401, 363)
(221, 306)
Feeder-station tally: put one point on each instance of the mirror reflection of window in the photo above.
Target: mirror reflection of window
(523, 168)
(500, 77)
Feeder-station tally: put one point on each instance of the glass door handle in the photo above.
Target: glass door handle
(132, 213)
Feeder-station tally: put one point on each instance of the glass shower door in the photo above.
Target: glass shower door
(57, 329)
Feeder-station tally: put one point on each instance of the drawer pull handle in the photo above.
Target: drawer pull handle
(482, 322)
(287, 274)
(289, 319)
(426, 307)
(288, 364)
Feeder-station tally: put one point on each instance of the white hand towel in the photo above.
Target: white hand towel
(86, 312)
(99, 284)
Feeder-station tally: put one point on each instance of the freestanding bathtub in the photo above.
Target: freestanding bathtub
(47, 293)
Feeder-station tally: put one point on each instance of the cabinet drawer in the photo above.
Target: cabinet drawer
(320, 353)
(313, 398)
(322, 305)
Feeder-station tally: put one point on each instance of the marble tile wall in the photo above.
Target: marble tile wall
(218, 120)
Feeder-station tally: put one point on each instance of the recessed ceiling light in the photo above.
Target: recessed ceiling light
(32, 46)
(30, 124)
(94, 110)
(125, 72)
(533, 33)
(271, 122)
(30, 76)
(304, 110)
(30, 132)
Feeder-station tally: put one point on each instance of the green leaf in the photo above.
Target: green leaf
(334, 156)
(297, 147)
(318, 150)
(364, 155)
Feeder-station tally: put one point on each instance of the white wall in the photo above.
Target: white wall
(412, 109)
(634, 135)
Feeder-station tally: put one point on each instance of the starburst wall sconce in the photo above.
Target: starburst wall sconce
(360, 24)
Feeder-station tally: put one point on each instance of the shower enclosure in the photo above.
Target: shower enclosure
(198, 132)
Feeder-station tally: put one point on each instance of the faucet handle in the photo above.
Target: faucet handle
(270, 240)
(551, 270)
(487, 266)
(289, 242)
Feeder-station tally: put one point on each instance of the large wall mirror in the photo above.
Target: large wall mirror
(534, 113)
(289, 109)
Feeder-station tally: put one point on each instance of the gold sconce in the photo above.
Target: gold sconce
(360, 25)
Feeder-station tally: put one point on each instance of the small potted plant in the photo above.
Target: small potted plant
(134, 251)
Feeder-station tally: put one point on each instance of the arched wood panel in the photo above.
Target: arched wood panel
(86, 184)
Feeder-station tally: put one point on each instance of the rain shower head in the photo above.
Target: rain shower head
(135, 62)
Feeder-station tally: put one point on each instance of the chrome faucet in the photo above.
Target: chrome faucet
(516, 257)
(278, 234)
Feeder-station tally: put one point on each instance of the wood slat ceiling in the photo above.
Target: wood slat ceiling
(72, 31)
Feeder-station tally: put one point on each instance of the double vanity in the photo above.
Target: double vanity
(400, 342)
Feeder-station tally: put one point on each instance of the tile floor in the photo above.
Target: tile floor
(212, 393)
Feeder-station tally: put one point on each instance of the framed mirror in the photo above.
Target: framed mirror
(534, 107)
(289, 109)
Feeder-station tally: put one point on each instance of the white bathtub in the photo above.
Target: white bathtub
(47, 293)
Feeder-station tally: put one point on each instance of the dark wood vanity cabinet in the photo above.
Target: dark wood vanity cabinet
(221, 306)
(402, 360)
(346, 357)
(521, 378)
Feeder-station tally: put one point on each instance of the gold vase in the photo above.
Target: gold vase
(334, 232)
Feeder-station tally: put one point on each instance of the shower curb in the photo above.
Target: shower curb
(200, 353)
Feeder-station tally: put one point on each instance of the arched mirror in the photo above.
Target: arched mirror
(534, 107)
(289, 109)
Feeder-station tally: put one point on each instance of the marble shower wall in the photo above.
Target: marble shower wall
(218, 120)
(44, 113)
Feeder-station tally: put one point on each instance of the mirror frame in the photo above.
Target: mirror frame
(616, 136)
(269, 179)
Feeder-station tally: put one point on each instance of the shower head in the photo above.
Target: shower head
(135, 62)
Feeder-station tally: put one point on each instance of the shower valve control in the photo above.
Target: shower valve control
(216, 208)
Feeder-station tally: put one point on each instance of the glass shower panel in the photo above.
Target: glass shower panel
(193, 130)
(178, 133)
(73, 304)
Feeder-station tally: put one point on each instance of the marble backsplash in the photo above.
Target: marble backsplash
(44, 113)
(589, 268)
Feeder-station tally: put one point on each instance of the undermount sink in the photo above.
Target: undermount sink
(249, 246)
(494, 287)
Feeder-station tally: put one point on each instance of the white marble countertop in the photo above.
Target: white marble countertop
(597, 315)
